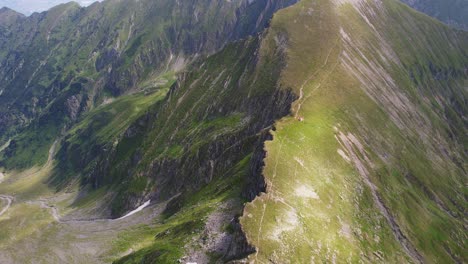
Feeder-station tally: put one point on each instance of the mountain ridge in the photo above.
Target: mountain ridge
(280, 223)
(336, 133)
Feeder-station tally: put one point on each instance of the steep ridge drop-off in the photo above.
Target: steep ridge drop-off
(58, 64)
(210, 120)
(372, 164)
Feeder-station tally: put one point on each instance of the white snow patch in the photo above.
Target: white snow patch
(306, 192)
(136, 210)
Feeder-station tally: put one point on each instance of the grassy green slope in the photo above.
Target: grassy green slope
(102, 128)
(375, 170)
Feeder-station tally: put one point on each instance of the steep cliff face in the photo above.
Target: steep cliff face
(85, 55)
(452, 12)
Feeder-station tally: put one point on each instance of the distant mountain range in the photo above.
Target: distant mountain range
(27, 7)
(452, 12)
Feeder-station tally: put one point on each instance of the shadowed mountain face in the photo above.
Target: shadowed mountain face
(452, 12)
(258, 131)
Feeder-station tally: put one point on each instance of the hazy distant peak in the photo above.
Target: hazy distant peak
(6, 10)
(9, 16)
(28, 7)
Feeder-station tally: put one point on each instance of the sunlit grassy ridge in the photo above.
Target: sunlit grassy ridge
(364, 175)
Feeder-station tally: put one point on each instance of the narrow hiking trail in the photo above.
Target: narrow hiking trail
(8, 200)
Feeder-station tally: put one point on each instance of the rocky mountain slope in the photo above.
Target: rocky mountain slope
(335, 134)
(68, 60)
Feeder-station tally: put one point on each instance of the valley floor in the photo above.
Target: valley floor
(55, 228)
